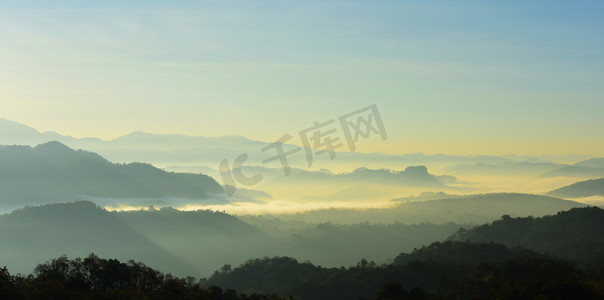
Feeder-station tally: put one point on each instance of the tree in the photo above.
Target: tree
(391, 290)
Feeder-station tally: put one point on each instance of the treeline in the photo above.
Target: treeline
(443, 270)
(447, 270)
(98, 278)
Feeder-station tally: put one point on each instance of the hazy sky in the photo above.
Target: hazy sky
(470, 77)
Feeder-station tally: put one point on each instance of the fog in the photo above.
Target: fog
(175, 214)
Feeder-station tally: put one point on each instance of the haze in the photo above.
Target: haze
(455, 78)
(301, 150)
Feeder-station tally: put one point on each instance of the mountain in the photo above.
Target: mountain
(356, 192)
(77, 229)
(508, 259)
(463, 253)
(506, 168)
(427, 196)
(481, 208)
(467, 209)
(53, 172)
(182, 242)
(415, 176)
(16, 133)
(187, 151)
(577, 234)
(171, 141)
(411, 176)
(576, 171)
(592, 163)
(447, 270)
(139, 145)
(594, 187)
(195, 242)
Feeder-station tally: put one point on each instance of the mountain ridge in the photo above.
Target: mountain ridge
(53, 172)
(587, 188)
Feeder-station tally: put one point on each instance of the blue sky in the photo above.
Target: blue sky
(463, 78)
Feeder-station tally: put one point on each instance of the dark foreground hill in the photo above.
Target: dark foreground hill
(97, 278)
(433, 272)
(479, 269)
(52, 172)
(449, 270)
(577, 234)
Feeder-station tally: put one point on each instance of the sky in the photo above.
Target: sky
(463, 77)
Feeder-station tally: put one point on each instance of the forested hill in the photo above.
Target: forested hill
(577, 234)
(441, 270)
(447, 270)
(508, 259)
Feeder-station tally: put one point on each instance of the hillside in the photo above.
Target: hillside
(506, 168)
(196, 242)
(575, 171)
(415, 176)
(53, 172)
(577, 234)
(185, 243)
(594, 187)
(449, 270)
(476, 264)
(463, 253)
(476, 209)
(593, 163)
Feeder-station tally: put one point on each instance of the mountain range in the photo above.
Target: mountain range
(553, 257)
(52, 172)
(576, 234)
(181, 151)
(188, 243)
(193, 242)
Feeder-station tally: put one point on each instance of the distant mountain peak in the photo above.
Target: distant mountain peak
(593, 163)
(137, 133)
(417, 170)
(14, 128)
(53, 146)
